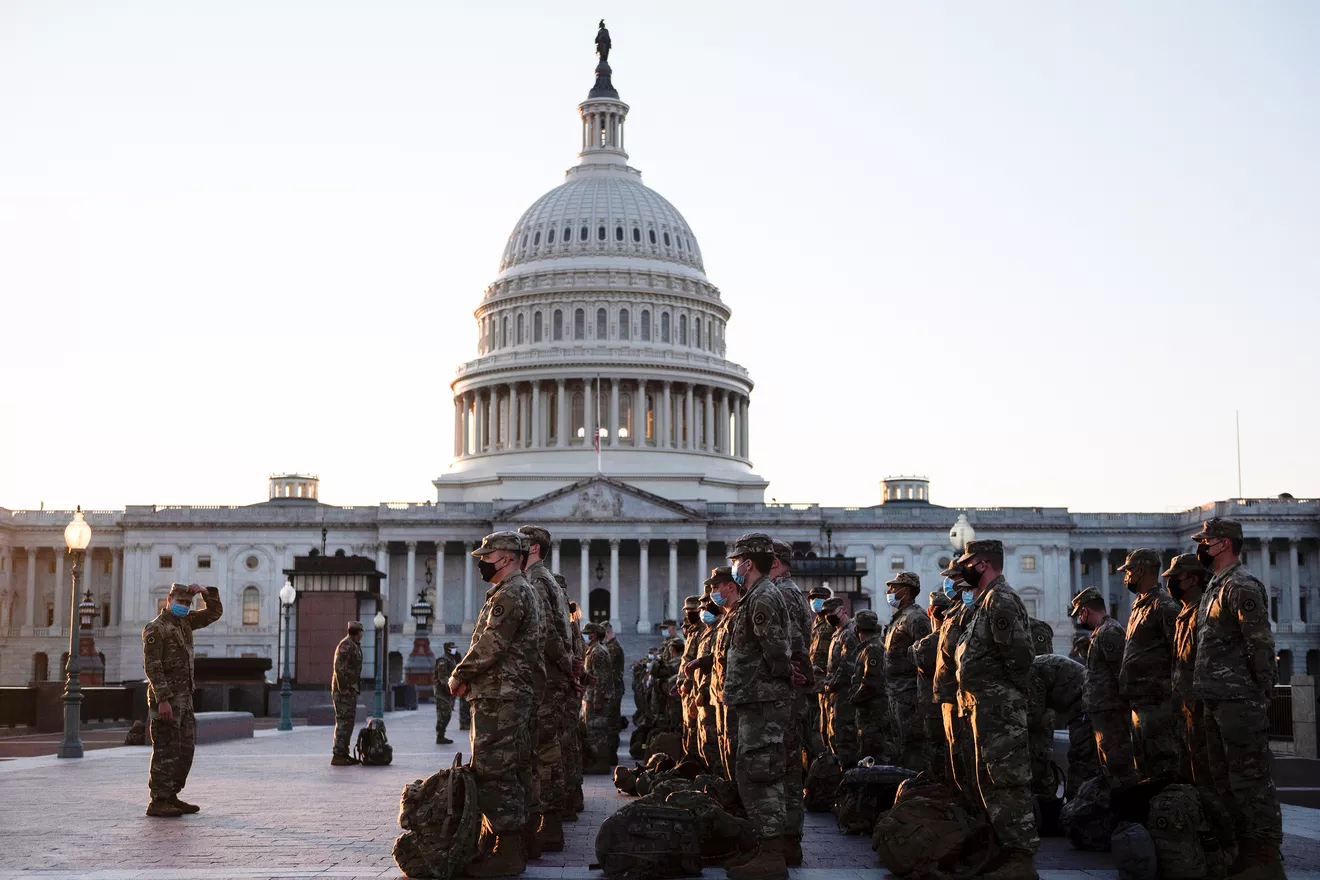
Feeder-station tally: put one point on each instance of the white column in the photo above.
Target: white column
(644, 586)
(61, 590)
(464, 424)
(383, 564)
(588, 413)
(614, 412)
(747, 427)
(1295, 585)
(673, 580)
(554, 556)
(614, 583)
(492, 417)
(702, 571)
(561, 430)
(722, 431)
(585, 591)
(1076, 575)
(469, 606)
(536, 415)
(1264, 573)
(515, 417)
(438, 622)
(708, 434)
(479, 418)
(638, 437)
(410, 594)
(662, 441)
(1104, 576)
(31, 586)
(117, 586)
(689, 418)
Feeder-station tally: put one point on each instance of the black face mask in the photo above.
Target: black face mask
(487, 569)
(1203, 556)
(971, 576)
(1175, 588)
(1132, 587)
(833, 619)
(694, 617)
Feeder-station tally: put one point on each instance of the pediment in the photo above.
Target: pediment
(599, 499)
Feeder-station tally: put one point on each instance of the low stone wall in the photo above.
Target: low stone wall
(324, 714)
(218, 726)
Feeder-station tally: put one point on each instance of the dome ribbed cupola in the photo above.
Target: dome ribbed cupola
(601, 322)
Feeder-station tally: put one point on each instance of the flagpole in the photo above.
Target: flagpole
(598, 467)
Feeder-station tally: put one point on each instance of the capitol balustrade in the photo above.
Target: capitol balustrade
(630, 355)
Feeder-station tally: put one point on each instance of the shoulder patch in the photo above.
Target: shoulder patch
(759, 619)
(1248, 604)
(1108, 646)
(497, 610)
(1001, 623)
(151, 640)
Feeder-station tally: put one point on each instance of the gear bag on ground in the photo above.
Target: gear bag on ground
(865, 792)
(927, 833)
(441, 824)
(372, 748)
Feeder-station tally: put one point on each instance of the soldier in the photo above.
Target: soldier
(842, 717)
(167, 656)
(822, 632)
(616, 666)
(1042, 637)
(757, 694)
(1058, 685)
(908, 626)
(1081, 648)
(557, 654)
(345, 685)
(709, 707)
(867, 692)
(500, 674)
(573, 712)
(1186, 579)
(692, 632)
(994, 665)
(797, 740)
(1234, 677)
(444, 701)
(944, 688)
(1105, 705)
(923, 655)
(1143, 677)
(602, 726)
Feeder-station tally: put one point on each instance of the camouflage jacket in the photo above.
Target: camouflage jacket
(944, 687)
(558, 641)
(347, 678)
(719, 651)
(505, 660)
(909, 626)
(757, 667)
(799, 620)
(702, 677)
(1234, 645)
(868, 679)
(1103, 663)
(444, 667)
(994, 653)
(598, 663)
(822, 634)
(844, 647)
(923, 656)
(1057, 683)
(1184, 652)
(1148, 651)
(167, 651)
(616, 663)
(579, 643)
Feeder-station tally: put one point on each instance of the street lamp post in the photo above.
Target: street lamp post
(379, 621)
(287, 595)
(77, 535)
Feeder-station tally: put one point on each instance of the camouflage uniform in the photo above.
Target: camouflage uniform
(502, 670)
(1057, 686)
(726, 729)
(1143, 678)
(617, 662)
(866, 691)
(444, 701)
(923, 655)
(572, 721)
(167, 657)
(557, 654)
(1233, 677)
(822, 634)
(797, 738)
(961, 761)
(345, 686)
(842, 717)
(909, 626)
(1108, 711)
(994, 658)
(693, 631)
(602, 727)
(1042, 637)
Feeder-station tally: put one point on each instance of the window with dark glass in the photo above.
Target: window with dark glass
(536, 239)
(537, 321)
(568, 234)
(520, 330)
(637, 234)
(625, 330)
(558, 325)
(682, 329)
(504, 331)
(666, 239)
(646, 325)
(550, 235)
(618, 233)
(579, 324)
(651, 233)
(696, 332)
(664, 326)
(600, 233)
(602, 324)
(583, 234)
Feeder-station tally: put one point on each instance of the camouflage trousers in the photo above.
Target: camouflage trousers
(1237, 741)
(502, 760)
(1003, 765)
(1083, 761)
(937, 746)
(760, 763)
(795, 771)
(1040, 733)
(961, 759)
(691, 745)
(572, 729)
(602, 739)
(464, 714)
(1113, 745)
(823, 719)
(728, 737)
(345, 718)
(708, 738)
(873, 731)
(444, 710)
(1196, 769)
(172, 746)
(909, 747)
(811, 736)
(1155, 746)
(552, 788)
(843, 728)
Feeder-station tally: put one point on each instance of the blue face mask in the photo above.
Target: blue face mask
(950, 589)
(818, 605)
(968, 600)
(708, 617)
(892, 599)
(717, 598)
(738, 577)
(178, 610)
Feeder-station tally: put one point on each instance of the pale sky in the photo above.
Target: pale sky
(1038, 252)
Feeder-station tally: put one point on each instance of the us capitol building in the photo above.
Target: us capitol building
(601, 316)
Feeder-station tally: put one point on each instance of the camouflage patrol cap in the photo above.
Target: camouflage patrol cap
(1184, 563)
(937, 599)
(783, 552)
(1144, 558)
(908, 579)
(1085, 597)
(180, 588)
(979, 547)
(1217, 527)
(950, 570)
(593, 629)
(833, 603)
(535, 534)
(669, 621)
(819, 593)
(721, 575)
(355, 626)
(866, 621)
(752, 542)
(449, 645)
(501, 541)
(1042, 637)
(691, 603)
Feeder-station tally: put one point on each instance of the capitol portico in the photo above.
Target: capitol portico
(601, 325)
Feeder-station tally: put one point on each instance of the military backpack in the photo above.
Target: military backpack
(928, 834)
(441, 824)
(372, 747)
(1088, 818)
(822, 783)
(649, 841)
(865, 792)
(1174, 822)
(1134, 852)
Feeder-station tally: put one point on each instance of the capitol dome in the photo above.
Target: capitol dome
(601, 345)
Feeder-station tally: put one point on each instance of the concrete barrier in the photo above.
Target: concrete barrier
(324, 715)
(218, 726)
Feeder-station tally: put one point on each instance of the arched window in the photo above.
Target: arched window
(552, 416)
(664, 326)
(602, 324)
(666, 239)
(537, 329)
(550, 235)
(618, 233)
(646, 325)
(521, 337)
(600, 233)
(651, 234)
(582, 234)
(579, 430)
(523, 243)
(637, 234)
(625, 416)
(625, 330)
(682, 329)
(490, 334)
(504, 331)
(709, 335)
(568, 234)
(679, 239)
(536, 239)
(696, 332)
(558, 325)
(579, 324)
(40, 666)
(251, 606)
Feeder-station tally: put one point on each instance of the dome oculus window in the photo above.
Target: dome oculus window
(252, 563)
(600, 233)
(583, 234)
(651, 233)
(550, 236)
(666, 239)
(618, 233)
(568, 234)
(536, 239)
(637, 234)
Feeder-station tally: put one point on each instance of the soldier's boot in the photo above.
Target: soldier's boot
(550, 836)
(163, 810)
(766, 864)
(792, 850)
(578, 805)
(506, 859)
(1016, 864)
(1257, 860)
(343, 761)
(531, 844)
(442, 740)
(184, 806)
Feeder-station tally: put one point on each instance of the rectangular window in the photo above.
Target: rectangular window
(105, 614)
(1272, 558)
(1301, 559)
(1030, 605)
(50, 614)
(1302, 610)
(50, 569)
(896, 563)
(109, 566)
(164, 561)
(1086, 568)
(1274, 608)
(1028, 563)
(204, 563)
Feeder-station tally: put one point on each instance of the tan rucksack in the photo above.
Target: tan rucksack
(927, 833)
(441, 824)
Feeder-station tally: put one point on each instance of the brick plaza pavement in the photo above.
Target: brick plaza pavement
(273, 807)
